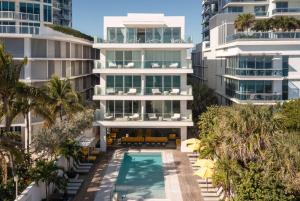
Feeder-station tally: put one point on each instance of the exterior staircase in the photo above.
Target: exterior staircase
(208, 191)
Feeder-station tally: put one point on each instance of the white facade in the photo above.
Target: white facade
(50, 53)
(258, 68)
(143, 71)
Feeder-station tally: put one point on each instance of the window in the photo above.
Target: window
(47, 13)
(30, 8)
(48, 1)
(260, 10)
(7, 6)
(282, 4)
(235, 9)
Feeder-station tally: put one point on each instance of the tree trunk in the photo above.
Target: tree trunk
(5, 110)
(60, 113)
(27, 127)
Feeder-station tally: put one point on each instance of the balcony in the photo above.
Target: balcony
(138, 91)
(253, 72)
(15, 29)
(257, 97)
(263, 36)
(19, 16)
(284, 11)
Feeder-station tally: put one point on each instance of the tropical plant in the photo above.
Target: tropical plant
(287, 112)
(244, 22)
(64, 99)
(70, 149)
(48, 173)
(262, 25)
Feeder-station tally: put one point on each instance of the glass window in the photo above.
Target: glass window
(235, 9)
(158, 34)
(282, 4)
(128, 83)
(136, 106)
(111, 33)
(119, 108)
(131, 35)
(268, 62)
(176, 34)
(36, 9)
(137, 81)
(47, 13)
(157, 81)
(167, 108)
(259, 86)
(23, 7)
(176, 82)
(128, 107)
(167, 83)
(110, 107)
(12, 6)
(176, 106)
(149, 35)
(259, 62)
(120, 35)
(4, 5)
(167, 35)
(251, 62)
(119, 83)
(110, 81)
(268, 87)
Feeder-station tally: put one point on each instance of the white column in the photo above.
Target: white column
(143, 109)
(102, 139)
(183, 137)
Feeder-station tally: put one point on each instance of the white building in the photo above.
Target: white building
(49, 52)
(143, 71)
(258, 68)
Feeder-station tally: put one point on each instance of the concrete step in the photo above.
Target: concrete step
(209, 190)
(209, 185)
(209, 194)
(204, 181)
(211, 198)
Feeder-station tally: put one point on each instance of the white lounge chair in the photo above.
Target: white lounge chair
(110, 91)
(176, 117)
(129, 65)
(134, 117)
(112, 65)
(152, 116)
(155, 65)
(131, 91)
(175, 92)
(108, 117)
(156, 91)
(174, 65)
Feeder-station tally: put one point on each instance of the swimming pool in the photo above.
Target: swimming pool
(141, 176)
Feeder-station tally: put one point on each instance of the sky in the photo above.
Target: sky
(88, 14)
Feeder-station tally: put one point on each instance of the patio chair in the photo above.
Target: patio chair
(175, 92)
(134, 117)
(156, 91)
(152, 116)
(112, 65)
(176, 117)
(108, 117)
(110, 91)
(174, 65)
(132, 91)
(155, 65)
(129, 65)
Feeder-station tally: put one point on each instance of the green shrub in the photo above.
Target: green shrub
(70, 31)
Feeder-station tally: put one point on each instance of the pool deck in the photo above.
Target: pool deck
(181, 184)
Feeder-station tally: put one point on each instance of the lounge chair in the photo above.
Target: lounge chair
(155, 65)
(176, 117)
(174, 65)
(110, 91)
(132, 91)
(175, 92)
(112, 65)
(129, 65)
(152, 116)
(134, 117)
(156, 91)
(108, 117)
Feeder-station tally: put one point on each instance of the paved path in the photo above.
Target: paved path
(92, 182)
(190, 189)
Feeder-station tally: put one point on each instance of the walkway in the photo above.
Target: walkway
(190, 189)
(92, 182)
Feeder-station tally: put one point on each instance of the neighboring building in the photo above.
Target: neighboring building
(199, 69)
(49, 52)
(252, 67)
(209, 9)
(62, 12)
(20, 16)
(143, 71)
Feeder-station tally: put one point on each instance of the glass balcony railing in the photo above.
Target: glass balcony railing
(253, 72)
(132, 91)
(286, 10)
(174, 64)
(263, 36)
(257, 96)
(167, 116)
(19, 29)
(111, 116)
(19, 16)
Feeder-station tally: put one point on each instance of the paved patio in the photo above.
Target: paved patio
(190, 191)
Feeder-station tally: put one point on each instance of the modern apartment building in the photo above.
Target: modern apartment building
(258, 68)
(209, 9)
(49, 52)
(20, 16)
(143, 71)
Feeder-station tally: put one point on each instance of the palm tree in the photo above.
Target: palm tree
(48, 173)
(262, 25)
(69, 149)
(244, 22)
(25, 105)
(64, 99)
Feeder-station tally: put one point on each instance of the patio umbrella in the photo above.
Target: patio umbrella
(193, 141)
(205, 173)
(205, 163)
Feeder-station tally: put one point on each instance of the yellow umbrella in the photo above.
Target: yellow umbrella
(194, 147)
(205, 163)
(204, 172)
(193, 141)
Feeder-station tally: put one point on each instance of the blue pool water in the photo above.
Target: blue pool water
(141, 176)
